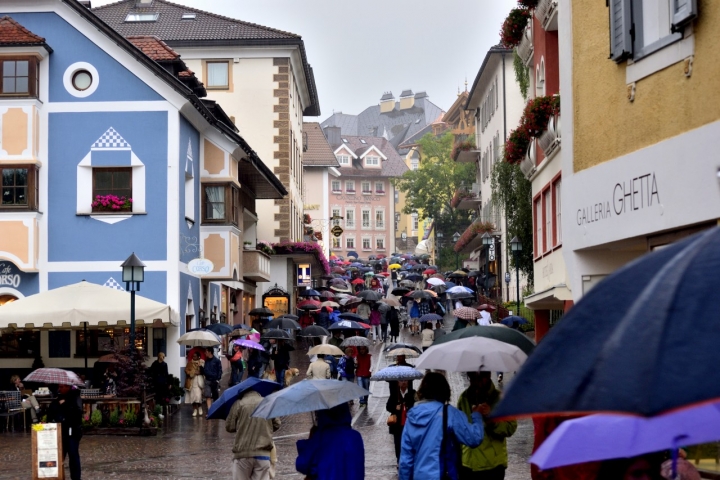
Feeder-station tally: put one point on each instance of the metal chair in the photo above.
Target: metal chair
(13, 401)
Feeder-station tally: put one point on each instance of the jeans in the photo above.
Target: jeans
(364, 382)
(383, 330)
(71, 448)
(236, 374)
(250, 469)
(280, 374)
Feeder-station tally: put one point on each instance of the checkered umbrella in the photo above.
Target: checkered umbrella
(54, 376)
(466, 313)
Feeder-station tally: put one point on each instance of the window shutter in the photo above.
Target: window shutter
(683, 12)
(620, 25)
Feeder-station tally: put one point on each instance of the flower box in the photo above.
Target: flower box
(111, 203)
(513, 28)
(380, 192)
(367, 192)
(350, 191)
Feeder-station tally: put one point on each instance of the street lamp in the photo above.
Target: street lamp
(133, 274)
(487, 240)
(456, 237)
(516, 247)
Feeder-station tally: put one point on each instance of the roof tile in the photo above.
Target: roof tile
(318, 153)
(153, 47)
(12, 33)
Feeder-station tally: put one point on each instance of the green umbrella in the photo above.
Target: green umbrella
(503, 334)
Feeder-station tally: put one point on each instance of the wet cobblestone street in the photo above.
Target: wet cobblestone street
(196, 448)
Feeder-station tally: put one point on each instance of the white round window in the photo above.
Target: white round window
(81, 79)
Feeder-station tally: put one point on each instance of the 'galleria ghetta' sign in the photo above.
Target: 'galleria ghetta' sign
(627, 197)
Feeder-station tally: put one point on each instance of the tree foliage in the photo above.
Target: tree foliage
(513, 193)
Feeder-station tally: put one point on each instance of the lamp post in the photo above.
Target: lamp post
(516, 247)
(487, 240)
(456, 237)
(133, 274)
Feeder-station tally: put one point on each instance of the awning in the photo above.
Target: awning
(75, 305)
(235, 285)
(553, 298)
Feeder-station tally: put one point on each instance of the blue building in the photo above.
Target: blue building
(107, 148)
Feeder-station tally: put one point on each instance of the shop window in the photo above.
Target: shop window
(159, 341)
(19, 187)
(20, 344)
(103, 341)
(59, 344)
(19, 77)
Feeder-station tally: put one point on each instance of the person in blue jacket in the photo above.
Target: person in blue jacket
(334, 450)
(420, 451)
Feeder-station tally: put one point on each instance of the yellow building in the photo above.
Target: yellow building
(641, 127)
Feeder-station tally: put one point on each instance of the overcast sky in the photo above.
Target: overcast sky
(361, 49)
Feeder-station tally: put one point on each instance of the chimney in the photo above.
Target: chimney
(387, 102)
(334, 136)
(85, 3)
(407, 99)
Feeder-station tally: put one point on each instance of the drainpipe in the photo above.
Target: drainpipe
(504, 140)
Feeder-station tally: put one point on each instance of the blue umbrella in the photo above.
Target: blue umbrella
(309, 293)
(241, 326)
(220, 328)
(459, 289)
(509, 321)
(352, 253)
(396, 373)
(220, 408)
(606, 436)
(308, 396)
(430, 317)
(449, 285)
(633, 343)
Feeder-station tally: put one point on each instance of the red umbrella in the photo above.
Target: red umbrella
(429, 271)
(380, 256)
(364, 325)
(358, 281)
(385, 274)
(309, 305)
(200, 350)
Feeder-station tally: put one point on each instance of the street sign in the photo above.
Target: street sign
(337, 230)
(304, 278)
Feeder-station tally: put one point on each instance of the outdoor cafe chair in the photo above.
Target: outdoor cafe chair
(13, 401)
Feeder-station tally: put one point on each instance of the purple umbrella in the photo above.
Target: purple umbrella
(605, 436)
(249, 344)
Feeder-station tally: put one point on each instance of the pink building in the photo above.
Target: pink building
(363, 194)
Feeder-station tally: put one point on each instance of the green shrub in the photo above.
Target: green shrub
(96, 418)
(129, 418)
(114, 418)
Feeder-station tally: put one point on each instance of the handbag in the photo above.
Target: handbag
(392, 420)
(449, 455)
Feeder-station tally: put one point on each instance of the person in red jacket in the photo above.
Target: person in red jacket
(363, 372)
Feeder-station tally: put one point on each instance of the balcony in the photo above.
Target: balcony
(549, 140)
(466, 200)
(468, 156)
(547, 13)
(256, 266)
(525, 49)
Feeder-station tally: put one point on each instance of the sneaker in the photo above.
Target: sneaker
(200, 412)
(195, 412)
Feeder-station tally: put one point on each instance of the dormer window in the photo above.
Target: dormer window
(343, 159)
(189, 16)
(372, 161)
(142, 17)
(19, 77)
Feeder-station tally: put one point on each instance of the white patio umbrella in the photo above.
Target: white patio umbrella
(81, 304)
(472, 354)
(199, 338)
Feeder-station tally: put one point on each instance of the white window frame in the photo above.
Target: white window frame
(415, 222)
(557, 195)
(208, 84)
(547, 206)
(538, 206)
(363, 225)
(339, 186)
(350, 222)
(369, 243)
(350, 186)
(383, 224)
(343, 159)
(382, 188)
(336, 211)
(378, 241)
(372, 161)
(414, 164)
(365, 191)
(350, 239)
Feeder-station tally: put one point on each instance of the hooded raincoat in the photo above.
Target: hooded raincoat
(422, 438)
(334, 450)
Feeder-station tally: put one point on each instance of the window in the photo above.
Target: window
(82, 80)
(540, 78)
(538, 227)
(112, 181)
(336, 242)
(349, 218)
(336, 186)
(350, 243)
(380, 243)
(641, 27)
(349, 186)
(366, 188)
(343, 159)
(336, 212)
(415, 221)
(414, 163)
(365, 218)
(188, 16)
(366, 245)
(218, 75)
(547, 202)
(59, 344)
(142, 17)
(222, 204)
(102, 341)
(380, 188)
(372, 161)
(558, 211)
(19, 77)
(20, 344)
(19, 187)
(159, 341)
(379, 218)
(397, 196)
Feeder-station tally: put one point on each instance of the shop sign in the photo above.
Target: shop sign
(303, 275)
(337, 230)
(7, 277)
(200, 266)
(636, 193)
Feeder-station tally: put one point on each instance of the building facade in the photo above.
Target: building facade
(89, 115)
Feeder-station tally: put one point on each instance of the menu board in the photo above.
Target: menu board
(47, 445)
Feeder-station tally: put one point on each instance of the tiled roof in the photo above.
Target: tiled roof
(171, 26)
(392, 167)
(12, 33)
(406, 93)
(153, 47)
(318, 153)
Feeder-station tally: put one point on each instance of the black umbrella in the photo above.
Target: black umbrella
(219, 328)
(241, 326)
(400, 291)
(309, 293)
(420, 294)
(501, 333)
(285, 323)
(314, 331)
(290, 316)
(633, 343)
(261, 312)
(370, 295)
(414, 277)
(345, 325)
(276, 333)
(459, 295)
(352, 316)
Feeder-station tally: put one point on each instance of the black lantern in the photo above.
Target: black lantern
(516, 247)
(133, 274)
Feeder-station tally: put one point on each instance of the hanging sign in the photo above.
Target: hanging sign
(337, 230)
(46, 447)
(200, 266)
(303, 275)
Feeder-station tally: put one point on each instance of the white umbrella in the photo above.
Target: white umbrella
(435, 281)
(472, 354)
(458, 289)
(199, 338)
(73, 305)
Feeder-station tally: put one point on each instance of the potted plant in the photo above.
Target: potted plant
(538, 112)
(513, 28)
(265, 247)
(111, 203)
(529, 4)
(464, 146)
(248, 246)
(516, 145)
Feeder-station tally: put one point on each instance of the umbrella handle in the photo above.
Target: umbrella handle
(674, 455)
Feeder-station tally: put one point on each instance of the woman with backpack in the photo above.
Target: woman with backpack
(433, 432)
